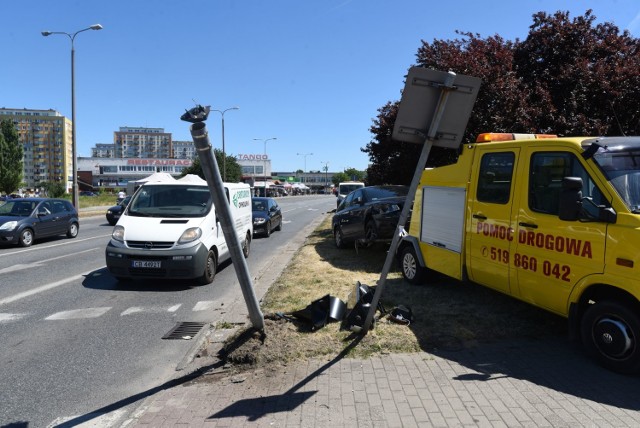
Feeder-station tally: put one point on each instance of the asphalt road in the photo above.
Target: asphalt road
(75, 341)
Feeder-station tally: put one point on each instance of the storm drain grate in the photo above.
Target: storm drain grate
(184, 330)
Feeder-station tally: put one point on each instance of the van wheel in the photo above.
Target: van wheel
(338, 237)
(246, 247)
(411, 269)
(26, 238)
(210, 269)
(611, 334)
(73, 230)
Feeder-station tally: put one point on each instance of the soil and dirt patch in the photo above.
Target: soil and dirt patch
(448, 314)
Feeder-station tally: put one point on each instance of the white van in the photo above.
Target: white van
(170, 230)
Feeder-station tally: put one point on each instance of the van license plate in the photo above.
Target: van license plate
(145, 264)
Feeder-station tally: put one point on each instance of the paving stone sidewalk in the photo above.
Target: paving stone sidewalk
(531, 383)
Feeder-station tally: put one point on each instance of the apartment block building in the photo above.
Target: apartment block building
(47, 144)
(140, 142)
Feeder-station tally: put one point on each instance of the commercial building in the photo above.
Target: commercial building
(46, 139)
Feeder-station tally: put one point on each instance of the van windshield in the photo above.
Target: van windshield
(345, 189)
(170, 201)
(621, 166)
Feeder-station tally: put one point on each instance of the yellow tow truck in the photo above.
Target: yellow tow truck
(551, 221)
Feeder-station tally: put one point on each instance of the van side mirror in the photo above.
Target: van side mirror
(570, 198)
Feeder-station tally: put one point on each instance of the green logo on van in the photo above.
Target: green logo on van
(242, 194)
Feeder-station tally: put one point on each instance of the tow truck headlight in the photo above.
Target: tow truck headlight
(190, 235)
(118, 233)
(10, 225)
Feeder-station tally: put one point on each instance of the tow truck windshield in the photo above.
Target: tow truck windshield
(620, 163)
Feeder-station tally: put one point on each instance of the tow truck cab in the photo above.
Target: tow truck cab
(554, 222)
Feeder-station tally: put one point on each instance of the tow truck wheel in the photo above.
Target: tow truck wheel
(210, 269)
(611, 334)
(411, 269)
(338, 237)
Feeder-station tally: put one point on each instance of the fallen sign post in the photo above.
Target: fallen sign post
(434, 111)
(197, 116)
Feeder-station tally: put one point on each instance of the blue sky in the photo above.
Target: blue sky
(310, 73)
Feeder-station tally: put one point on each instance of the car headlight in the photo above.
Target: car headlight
(118, 233)
(259, 220)
(10, 225)
(109, 212)
(190, 235)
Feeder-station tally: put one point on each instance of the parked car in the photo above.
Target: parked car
(87, 193)
(22, 221)
(368, 215)
(114, 213)
(267, 216)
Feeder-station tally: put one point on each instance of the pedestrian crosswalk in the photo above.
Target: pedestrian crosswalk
(96, 312)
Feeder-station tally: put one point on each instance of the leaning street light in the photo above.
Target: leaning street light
(72, 36)
(265, 156)
(224, 153)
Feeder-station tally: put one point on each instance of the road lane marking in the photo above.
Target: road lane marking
(79, 313)
(149, 309)
(43, 247)
(204, 305)
(19, 267)
(40, 289)
(11, 317)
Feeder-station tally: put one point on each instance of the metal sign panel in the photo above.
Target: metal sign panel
(420, 99)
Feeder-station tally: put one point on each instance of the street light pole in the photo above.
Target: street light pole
(326, 175)
(305, 159)
(74, 190)
(224, 153)
(265, 157)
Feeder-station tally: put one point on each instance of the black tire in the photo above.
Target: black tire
(338, 238)
(279, 226)
(611, 334)
(246, 248)
(112, 222)
(410, 266)
(210, 269)
(370, 232)
(267, 231)
(26, 238)
(73, 230)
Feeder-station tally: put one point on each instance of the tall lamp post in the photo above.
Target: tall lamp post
(265, 157)
(72, 36)
(326, 175)
(224, 153)
(305, 159)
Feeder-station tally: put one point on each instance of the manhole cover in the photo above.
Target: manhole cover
(184, 330)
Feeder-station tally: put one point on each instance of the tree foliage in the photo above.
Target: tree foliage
(10, 158)
(568, 77)
(234, 170)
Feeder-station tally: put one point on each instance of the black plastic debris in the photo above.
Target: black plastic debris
(322, 311)
(360, 302)
(401, 315)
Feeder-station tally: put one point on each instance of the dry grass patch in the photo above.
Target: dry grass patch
(448, 314)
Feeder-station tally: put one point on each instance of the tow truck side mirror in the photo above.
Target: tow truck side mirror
(570, 198)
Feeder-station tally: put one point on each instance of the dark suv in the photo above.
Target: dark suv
(24, 220)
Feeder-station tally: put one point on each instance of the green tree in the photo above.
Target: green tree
(234, 170)
(568, 77)
(11, 162)
(53, 189)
